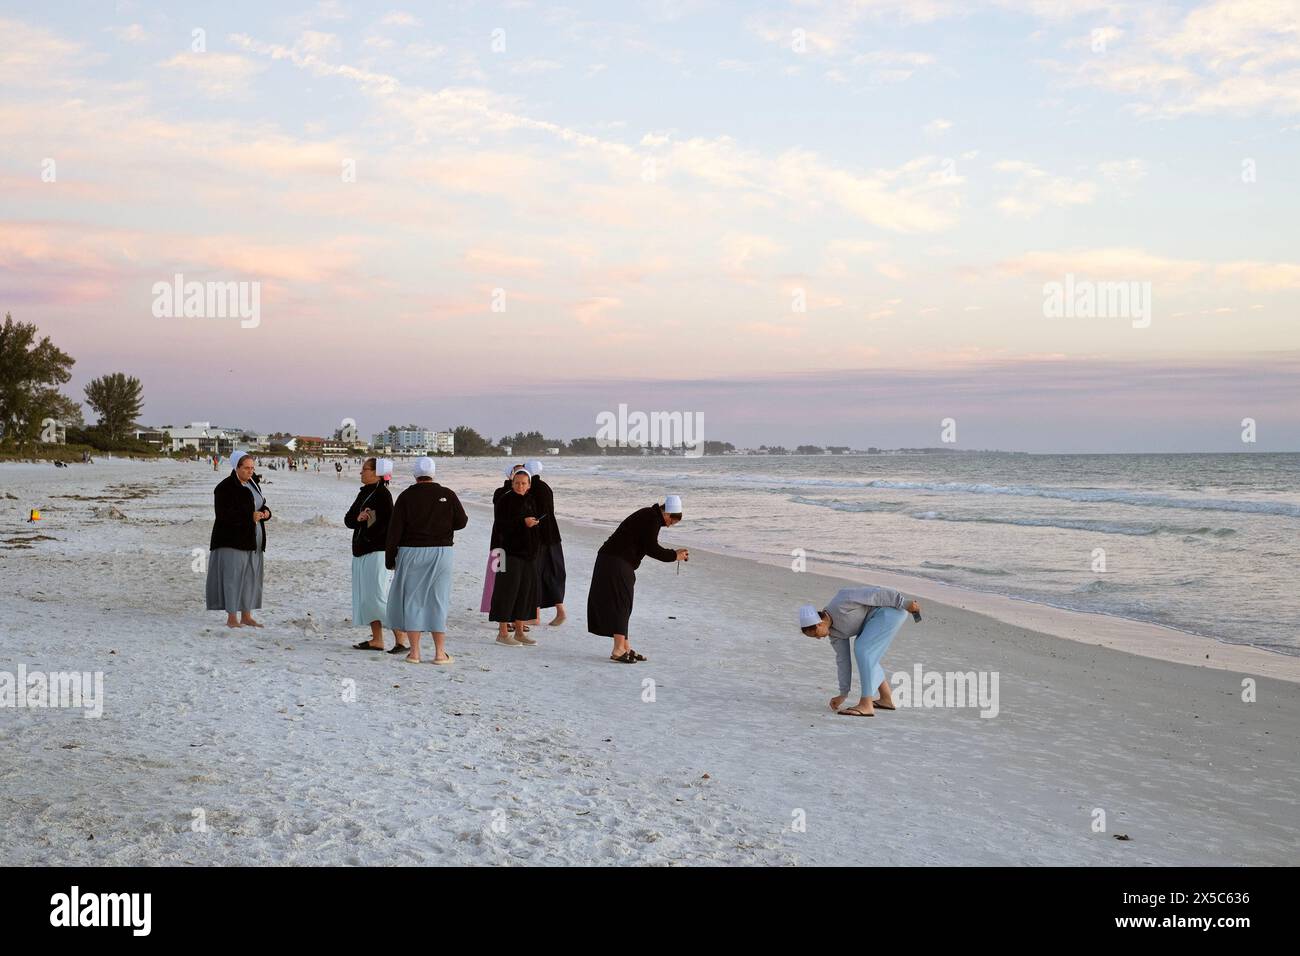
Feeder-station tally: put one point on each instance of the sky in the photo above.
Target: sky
(826, 222)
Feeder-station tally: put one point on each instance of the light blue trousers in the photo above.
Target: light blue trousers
(869, 648)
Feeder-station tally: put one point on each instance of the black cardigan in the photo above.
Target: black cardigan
(516, 538)
(234, 527)
(494, 539)
(548, 532)
(371, 538)
(638, 537)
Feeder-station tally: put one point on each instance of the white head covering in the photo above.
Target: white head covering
(808, 616)
(236, 457)
(384, 467)
(521, 470)
(534, 467)
(672, 505)
(424, 467)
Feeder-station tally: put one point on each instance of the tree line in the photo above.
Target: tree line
(31, 405)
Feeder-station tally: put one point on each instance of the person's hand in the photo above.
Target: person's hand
(683, 554)
(913, 608)
(363, 514)
(531, 522)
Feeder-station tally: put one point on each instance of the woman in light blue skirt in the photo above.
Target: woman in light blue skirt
(420, 537)
(421, 590)
(368, 518)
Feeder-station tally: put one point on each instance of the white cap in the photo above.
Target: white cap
(808, 616)
(424, 467)
(522, 470)
(384, 467)
(534, 467)
(672, 505)
(236, 457)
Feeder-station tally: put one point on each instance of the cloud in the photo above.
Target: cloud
(1123, 172)
(502, 264)
(1036, 190)
(216, 75)
(133, 33)
(1237, 57)
(937, 127)
(1262, 276)
(400, 18)
(1114, 264)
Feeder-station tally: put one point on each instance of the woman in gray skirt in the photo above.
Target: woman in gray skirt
(238, 544)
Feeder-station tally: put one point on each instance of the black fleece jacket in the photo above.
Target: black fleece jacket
(368, 539)
(234, 527)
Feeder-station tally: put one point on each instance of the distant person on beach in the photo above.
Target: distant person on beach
(368, 518)
(419, 548)
(514, 593)
(238, 544)
(495, 553)
(550, 552)
(338, 470)
(872, 616)
(613, 579)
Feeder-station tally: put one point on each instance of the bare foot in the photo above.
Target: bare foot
(838, 702)
(885, 702)
(233, 624)
(248, 621)
(560, 618)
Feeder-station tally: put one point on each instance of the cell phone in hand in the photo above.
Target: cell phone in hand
(916, 616)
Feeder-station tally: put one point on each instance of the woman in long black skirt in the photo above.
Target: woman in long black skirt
(514, 593)
(551, 575)
(613, 579)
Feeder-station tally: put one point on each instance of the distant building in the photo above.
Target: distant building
(201, 437)
(552, 451)
(308, 445)
(334, 448)
(414, 441)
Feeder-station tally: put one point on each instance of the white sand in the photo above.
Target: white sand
(554, 742)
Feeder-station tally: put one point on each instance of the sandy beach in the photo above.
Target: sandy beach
(289, 747)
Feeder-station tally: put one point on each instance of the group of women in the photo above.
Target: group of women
(413, 537)
(402, 555)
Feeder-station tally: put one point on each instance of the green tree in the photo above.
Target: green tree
(116, 399)
(470, 442)
(30, 373)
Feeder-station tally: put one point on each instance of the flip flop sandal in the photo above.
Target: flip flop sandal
(366, 646)
(449, 660)
(853, 712)
(399, 649)
(407, 660)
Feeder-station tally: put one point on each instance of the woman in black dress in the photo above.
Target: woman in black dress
(514, 593)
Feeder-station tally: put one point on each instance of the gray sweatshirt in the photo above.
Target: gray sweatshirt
(848, 611)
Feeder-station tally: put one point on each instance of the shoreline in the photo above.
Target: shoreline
(1142, 638)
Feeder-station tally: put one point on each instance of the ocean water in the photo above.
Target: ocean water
(1208, 544)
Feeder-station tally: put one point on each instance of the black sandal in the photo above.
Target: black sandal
(628, 658)
(399, 649)
(635, 654)
(366, 646)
